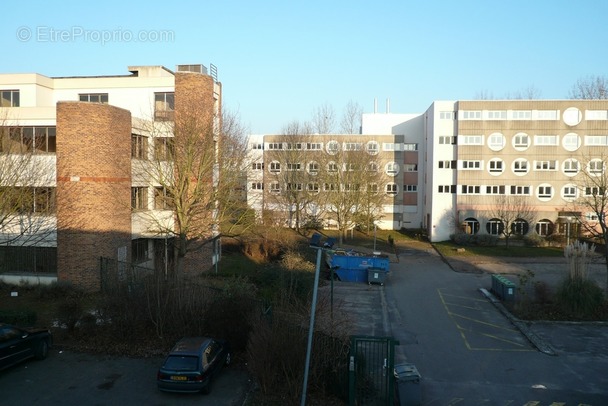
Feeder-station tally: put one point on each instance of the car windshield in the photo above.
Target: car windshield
(181, 363)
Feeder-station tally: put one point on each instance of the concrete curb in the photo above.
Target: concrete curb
(535, 340)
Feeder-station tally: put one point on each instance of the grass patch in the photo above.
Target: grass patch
(449, 249)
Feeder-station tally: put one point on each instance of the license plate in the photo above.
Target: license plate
(179, 378)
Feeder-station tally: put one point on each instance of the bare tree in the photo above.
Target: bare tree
(591, 87)
(592, 182)
(528, 93)
(515, 214)
(324, 119)
(351, 118)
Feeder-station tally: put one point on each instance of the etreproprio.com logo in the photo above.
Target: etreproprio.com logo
(101, 36)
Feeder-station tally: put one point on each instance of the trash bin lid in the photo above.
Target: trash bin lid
(407, 372)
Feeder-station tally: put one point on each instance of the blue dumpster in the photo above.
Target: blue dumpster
(352, 266)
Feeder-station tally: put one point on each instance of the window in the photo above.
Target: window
(313, 168)
(520, 166)
(447, 140)
(372, 188)
(275, 188)
(569, 192)
(164, 106)
(520, 227)
(94, 97)
(471, 164)
(275, 167)
(544, 192)
(495, 190)
(596, 114)
(332, 167)
(389, 146)
(37, 140)
(470, 114)
(139, 198)
(497, 114)
(295, 146)
(257, 145)
(544, 227)
(470, 139)
(446, 115)
(470, 189)
(410, 147)
(545, 165)
(257, 186)
(520, 190)
(521, 114)
(571, 142)
(372, 167)
(570, 167)
(294, 166)
(595, 167)
(352, 166)
(314, 146)
(352, 146)
(495, 166)
(139, 250)
(447, 164)
(30, 200)
(372, 147)
(163, 148)
(546, 140)
(330, 187)
(312, 187)
(594, 191)
(257, 166)
(351, 187)
(392, 168)
(332, 147)
(162, 200)
(139, 146)
(496, 141)
(596, 140)
(546, 114)
(521, 141)
(410, 167)
(275, 146)
(495, 226)
(446, 189)
(410, 188)
(297, 187)
(470, 225)
(392, 189)
(9, 98)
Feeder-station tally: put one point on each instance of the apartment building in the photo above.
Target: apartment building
(461, 160)
(85, 144)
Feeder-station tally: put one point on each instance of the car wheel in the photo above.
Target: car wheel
(42, 350)
(228, 359)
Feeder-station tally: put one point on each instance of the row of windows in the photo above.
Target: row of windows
(391, 168)
(522, 141)
(163, 147)
(508, 115)
(521, 166)
(312, 187)
(332, 147)
(139, 199)
(29, 199)
(22, 140)
(544, 192)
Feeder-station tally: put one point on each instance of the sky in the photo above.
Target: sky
(279, 61)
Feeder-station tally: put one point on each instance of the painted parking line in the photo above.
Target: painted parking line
(481, 327)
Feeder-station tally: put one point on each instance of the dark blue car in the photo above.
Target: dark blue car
(19, 344)
(192, 364)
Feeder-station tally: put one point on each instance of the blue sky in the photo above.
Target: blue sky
(280, 60)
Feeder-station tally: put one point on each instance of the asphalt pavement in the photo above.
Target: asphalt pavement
(468, 348)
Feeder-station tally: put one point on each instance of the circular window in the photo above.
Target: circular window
(372, 147)
(570, 167)
(544, 227)
(332, 147)
(470, 225)
(391, 168)
(520, 227)
(572, 116)
(496, 166)
(595, 167)
(520, 166)
(569, 192)
(495, 226)
(312, 168)
(521, 141)
(392, 189)
(544, 192)
(496, 141)
(571, 142)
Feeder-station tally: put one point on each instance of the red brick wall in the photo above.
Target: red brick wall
(93, 189)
